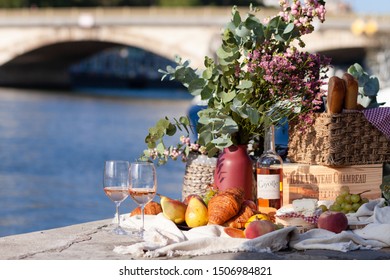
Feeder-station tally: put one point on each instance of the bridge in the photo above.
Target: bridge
(41, 44)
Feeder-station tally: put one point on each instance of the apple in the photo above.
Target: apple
(259, 228)
(333, 221)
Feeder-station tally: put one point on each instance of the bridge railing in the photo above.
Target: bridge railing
(155, 16)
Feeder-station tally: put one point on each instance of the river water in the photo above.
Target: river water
(53, 146)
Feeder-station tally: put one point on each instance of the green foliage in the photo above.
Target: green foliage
(368, 86)
(242, 96)
(234, 114)
(164, 127)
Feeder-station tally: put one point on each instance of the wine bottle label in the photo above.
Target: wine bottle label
(268, 186)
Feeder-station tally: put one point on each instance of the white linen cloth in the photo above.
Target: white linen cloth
(375, 234)
(164, 238)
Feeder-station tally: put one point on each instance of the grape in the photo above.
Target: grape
(344, 189)
(339, 199)
(347, 207)
(343, 193)
(208, 195)
(355, 198)
(346, 202)
(335, 207)
(323, 208)
(356, 206)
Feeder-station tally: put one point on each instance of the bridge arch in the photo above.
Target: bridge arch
(165, 41)
(47, 52)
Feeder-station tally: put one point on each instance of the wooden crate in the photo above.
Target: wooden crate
(324, 182)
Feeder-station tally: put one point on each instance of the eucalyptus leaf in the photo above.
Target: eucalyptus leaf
(244, 84)
(253, 115)
(184, 120)
(252, 22)
(242, 31)
(206, 93)
(236, 17)
(223, 53)
(228, 96)
(207, 73)
(160, 148)
(171, 130)
(371, 88)
(363, 79)
(195, 87)
(356, 69)
(289, 28)
(224, 82)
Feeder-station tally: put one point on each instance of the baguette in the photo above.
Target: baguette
(351, 92)
(336, 95)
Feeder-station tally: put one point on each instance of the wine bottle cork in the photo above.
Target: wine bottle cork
(336, 95)
(351, 92)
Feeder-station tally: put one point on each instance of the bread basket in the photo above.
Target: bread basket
(341, 139)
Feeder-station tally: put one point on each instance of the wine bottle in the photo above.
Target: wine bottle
(269, 169)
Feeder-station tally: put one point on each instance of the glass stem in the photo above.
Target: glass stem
(117, 213)
(143, 218)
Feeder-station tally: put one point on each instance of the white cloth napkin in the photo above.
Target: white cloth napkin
(374, 235)
(164, 238)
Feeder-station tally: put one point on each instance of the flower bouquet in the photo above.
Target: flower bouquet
(260, 77)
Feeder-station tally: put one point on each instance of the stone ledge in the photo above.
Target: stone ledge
(91, 241)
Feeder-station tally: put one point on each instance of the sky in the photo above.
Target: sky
(369, 6)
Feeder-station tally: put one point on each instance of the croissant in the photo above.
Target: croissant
(239, 220)
(151, 208)
(224, 205)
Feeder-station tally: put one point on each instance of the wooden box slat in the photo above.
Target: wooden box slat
(325, 182)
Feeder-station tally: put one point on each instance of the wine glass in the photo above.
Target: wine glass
(143, 186)
(116, 185)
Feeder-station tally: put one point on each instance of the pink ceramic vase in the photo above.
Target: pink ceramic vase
(235, 170)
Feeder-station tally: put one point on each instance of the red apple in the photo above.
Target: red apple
(259, 228)
(333, 221)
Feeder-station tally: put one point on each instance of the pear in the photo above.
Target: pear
(196, 214)
(173, 210)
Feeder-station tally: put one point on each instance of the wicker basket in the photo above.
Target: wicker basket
(199, 175)
(339, 140)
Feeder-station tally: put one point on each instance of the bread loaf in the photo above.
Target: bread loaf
(240, 219)
(336, 95)
(224, 206)
(151, 208)
(351, 92)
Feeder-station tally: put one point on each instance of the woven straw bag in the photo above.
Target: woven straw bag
(199, 175)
